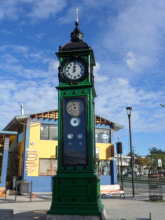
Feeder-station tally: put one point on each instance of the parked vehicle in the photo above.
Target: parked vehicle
(141, 174)
(163, 173)
(136, 173)
(128, 174)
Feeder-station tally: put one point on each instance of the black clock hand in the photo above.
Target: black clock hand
(74, 68)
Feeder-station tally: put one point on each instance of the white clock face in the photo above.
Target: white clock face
(74, 70)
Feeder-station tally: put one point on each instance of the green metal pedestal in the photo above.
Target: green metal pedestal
(76, 194)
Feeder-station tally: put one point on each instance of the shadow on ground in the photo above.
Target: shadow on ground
(142, 218)
(37, 214)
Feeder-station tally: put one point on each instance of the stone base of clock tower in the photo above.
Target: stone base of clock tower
(77, 217)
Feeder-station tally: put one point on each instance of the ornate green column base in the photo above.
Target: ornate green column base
(76, 194)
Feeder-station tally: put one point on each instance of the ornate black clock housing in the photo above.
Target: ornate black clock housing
(74, 69)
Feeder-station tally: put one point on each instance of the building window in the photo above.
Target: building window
(102, 135)
(103, 167)
(47, 167)
(49, 132)
(20, 134)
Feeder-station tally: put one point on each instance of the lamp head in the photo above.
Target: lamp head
(128, 109)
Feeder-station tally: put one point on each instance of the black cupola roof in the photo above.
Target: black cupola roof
(77, 34)
(76, 42)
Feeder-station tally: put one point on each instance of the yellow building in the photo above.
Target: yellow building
(33, 151)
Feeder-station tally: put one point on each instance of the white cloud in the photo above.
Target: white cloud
(87, 11)
(131, 62)
(9, 59)
(113, 96)
(20, 66)
(46, 8)
(29, 77)
(34, 56)
(135, 33)
(14, 9)
(39, 36)
(97, 67)
(9, 9)
(137, 63)
(7, 32)
(36, 96)
(122, 81)
(15, 48)
(100, 78)
(53, 66)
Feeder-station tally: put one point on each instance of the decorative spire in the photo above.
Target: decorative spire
(77, 34)
(76, 23)
(76, 14)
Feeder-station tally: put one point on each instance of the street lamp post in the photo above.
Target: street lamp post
(128, 109)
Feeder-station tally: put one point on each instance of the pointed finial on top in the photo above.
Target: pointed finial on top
(76, 14)
(77, 34)
(76, 23)
(118, 138)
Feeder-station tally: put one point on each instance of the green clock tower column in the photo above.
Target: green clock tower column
(76, 187)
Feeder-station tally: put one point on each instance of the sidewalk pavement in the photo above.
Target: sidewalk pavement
(117, 209)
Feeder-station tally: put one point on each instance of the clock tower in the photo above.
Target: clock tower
(76, 187)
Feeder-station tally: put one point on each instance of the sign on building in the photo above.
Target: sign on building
(159, 162)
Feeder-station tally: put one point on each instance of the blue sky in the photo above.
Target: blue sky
(128, 41)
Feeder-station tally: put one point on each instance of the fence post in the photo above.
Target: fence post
(16, 191)
(31, 191)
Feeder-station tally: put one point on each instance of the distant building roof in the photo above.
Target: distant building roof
(53, 114)
(2, 133)
(115, 126)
